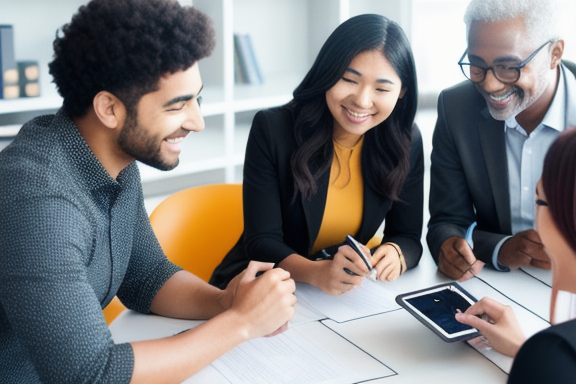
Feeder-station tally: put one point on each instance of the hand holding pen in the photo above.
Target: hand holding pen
(353, 262)
(364, 256)
(341, 272)
(457, 261)
(386, 264)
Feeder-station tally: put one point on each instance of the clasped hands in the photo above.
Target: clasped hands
(264, 298)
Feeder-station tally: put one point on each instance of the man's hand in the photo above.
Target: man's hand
(524, 248)
(457, 261)
(266, 303)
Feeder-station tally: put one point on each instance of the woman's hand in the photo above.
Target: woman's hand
(389, 262)
(341, 274)
(502, 329)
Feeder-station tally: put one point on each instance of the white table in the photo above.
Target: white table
(402, 343)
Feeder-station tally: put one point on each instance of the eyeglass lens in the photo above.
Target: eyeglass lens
(502, 73)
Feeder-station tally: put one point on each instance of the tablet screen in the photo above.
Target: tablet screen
(437, 307)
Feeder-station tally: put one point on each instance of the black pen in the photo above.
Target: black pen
(356, 247)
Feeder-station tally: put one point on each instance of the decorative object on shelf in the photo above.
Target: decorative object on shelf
(247, 70)
(8, 71)
(28, 73)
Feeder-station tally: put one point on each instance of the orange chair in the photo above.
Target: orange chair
(196, 228)
(113, 309)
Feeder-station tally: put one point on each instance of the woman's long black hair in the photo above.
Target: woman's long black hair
(386, 149)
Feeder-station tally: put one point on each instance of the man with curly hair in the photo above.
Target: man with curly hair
(73, 228)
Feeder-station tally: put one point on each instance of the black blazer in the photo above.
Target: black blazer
(547, 357)
(275, 227)
(469, 172)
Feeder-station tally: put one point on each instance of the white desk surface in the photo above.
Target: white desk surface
(396, 338)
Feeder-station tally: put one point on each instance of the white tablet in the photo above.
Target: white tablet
(436, 306)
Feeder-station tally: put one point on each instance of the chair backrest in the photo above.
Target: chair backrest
(113, 309)
(196, 227)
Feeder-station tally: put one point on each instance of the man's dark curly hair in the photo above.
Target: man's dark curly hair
(124, 47)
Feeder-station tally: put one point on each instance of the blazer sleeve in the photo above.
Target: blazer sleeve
(461, 190)
(264, 191)
(547, 357)
(451, 207)
(404, 221)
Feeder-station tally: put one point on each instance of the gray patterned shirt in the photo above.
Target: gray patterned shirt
(71, 237)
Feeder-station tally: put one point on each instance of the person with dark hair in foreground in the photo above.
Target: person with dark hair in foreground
(340, 158)
(550, 355)
(73, 228)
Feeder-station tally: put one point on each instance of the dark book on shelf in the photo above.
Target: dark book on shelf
(239, 69)
(9, 88)
(28, 73)
(249, 69)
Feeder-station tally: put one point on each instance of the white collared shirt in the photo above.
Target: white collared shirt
(525, 155)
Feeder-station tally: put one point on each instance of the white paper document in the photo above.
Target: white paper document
(291, 358)
(521, 287)
(543, 275)
(368, 299)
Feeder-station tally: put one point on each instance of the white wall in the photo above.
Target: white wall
(439, 39)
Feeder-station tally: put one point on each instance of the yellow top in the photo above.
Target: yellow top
(345, 199)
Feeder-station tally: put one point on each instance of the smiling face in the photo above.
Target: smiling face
(364, 97)
(505, 43)
(163, 119)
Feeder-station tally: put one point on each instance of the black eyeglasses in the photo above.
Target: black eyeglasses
(541, 203)
(504, 73)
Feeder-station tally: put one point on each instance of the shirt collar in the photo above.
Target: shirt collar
(84, 160)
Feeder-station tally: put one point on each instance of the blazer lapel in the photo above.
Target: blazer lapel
(570, 81)
(493, 144)
(314, 208)
(373, 213)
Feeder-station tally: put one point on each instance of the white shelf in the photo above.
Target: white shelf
(286, 35)
(30, 104)
(9, 131)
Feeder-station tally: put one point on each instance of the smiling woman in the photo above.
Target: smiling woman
(338, 159)
(364, 97)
